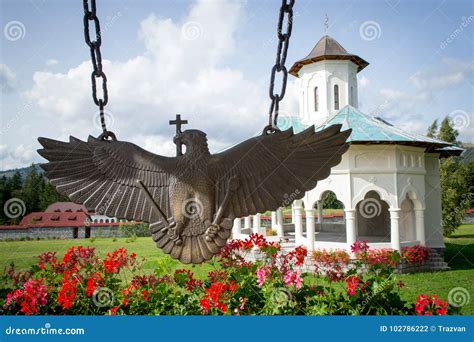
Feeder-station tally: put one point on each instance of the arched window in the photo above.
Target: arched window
(316, 99)
(336, 97)
(351, 98)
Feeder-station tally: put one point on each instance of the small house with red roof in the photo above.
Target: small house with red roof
(62, 220)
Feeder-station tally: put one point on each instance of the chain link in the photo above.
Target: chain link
(96, 59)
(286, 10)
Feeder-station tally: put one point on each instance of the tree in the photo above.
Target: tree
(447, 132)
(330, 201)
(455, 195)
(433, 129)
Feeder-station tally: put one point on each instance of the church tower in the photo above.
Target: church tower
(327, 80)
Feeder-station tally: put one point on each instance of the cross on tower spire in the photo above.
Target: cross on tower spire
(326, 23)
(178, 122)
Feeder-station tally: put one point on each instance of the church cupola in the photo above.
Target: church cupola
(327, 80)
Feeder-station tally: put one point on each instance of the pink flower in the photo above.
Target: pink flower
(262, 273)
(293, 278)
(359, 246)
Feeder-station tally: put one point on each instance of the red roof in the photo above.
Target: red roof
(65, 207)
(55, 219)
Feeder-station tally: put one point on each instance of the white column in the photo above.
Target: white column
(237, 228)
(320, 211)
(310, 229)
(257, 224)
(274, 223)
(279, 218)
(298, 221)
(351, 231)
(420, 225)
(292, 214)
(395, 228)
(247, 223)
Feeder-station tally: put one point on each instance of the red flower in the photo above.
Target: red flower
(359, 247)
(430, 305)
(216, 295)
(113, 311)
(94, 281)
(352, 284)
(48, 258)
(32, 296)
(117, 260)
(68, 290)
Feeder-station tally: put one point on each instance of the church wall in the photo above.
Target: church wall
(433, 217)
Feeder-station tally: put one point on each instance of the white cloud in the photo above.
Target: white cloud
(7, 79)
(413, 107)
(181, 70)
(51, 62)
(363, 81)
(13, 157)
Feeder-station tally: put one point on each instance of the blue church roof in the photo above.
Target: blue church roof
(368, 129)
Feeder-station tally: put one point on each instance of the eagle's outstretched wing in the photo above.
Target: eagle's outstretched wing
(103, 176)
(273, 170)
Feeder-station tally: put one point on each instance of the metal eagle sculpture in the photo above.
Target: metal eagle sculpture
(191, 200)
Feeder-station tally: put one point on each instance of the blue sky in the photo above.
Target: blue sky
(219, 80)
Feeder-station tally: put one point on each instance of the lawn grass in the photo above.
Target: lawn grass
(23, 253)
(459, 255)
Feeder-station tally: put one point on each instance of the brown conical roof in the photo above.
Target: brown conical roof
(328, 49)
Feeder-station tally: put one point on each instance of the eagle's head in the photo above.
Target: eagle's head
(194, 140)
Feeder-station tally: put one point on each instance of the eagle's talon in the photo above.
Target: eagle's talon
(212, 231)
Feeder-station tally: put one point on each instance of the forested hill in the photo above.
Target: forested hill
(23, 171)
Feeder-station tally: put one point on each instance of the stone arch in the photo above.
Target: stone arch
(373, 218)
(383, 194)
(412, 192)
(407, 219)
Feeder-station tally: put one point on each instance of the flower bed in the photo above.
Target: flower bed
(81, 283)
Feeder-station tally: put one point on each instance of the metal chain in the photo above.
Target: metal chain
(286, 9)
(96, 58)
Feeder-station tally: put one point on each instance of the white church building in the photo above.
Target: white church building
(388, 181)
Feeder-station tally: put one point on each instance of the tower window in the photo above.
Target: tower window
(316, 99)
(336, 97)
(351, 98)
